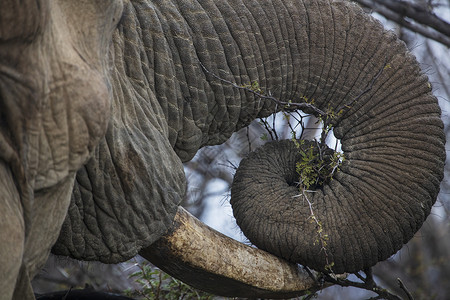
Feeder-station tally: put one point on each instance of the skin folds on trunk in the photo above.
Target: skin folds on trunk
(393, 141)
(366, 212)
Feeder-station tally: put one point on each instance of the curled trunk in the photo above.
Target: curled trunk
(393, 141)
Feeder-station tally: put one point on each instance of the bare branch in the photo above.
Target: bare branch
(271, 130)
(403, 287)
(367, 284)
(419, 14)
(433, 27)
(302, 106)
(439, 71)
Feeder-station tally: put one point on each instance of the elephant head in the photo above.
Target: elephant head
(53, 84)
(102, 103)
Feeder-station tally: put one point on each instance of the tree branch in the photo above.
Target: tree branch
(425, 23)
(403, 287)
(439, 71)
(306, 107)
(419, 14)
(367, 284)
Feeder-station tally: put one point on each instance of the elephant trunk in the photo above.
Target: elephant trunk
(392, 137)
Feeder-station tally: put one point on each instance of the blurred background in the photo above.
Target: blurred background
(423, 264)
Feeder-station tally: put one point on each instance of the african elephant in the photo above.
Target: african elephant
(102, 102)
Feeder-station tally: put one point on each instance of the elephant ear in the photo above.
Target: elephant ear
(393, 142)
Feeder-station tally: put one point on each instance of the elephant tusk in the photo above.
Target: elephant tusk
(211, 261)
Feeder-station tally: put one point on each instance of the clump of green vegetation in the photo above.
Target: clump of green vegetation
(317, 164)
(158, 285)
(315, 167)
(254, 86)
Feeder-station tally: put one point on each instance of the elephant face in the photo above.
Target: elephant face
(122, 95)
(54, 109)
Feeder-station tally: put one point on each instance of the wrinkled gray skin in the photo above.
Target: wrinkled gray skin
(102, 101)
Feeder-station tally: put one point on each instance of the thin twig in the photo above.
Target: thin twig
(369, 277)
(367, 284)
(248, 140)
(293, 105)
(322, 239)
(272, 132)
(403, 287)
(418, 13)
(399, 18)
(438, 69)
(360, 276)
(311, 274)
